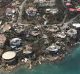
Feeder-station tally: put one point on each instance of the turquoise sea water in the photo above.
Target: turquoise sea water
(71, 65)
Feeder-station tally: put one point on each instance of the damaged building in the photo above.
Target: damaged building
(45, 2)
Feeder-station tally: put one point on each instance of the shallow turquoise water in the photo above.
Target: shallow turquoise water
(71, 65)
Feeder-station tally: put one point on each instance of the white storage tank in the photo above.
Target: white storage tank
(9, 57)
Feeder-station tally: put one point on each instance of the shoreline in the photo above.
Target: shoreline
(29, 36)
(56, 59)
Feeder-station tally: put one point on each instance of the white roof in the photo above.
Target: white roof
(72, 32)
(52, 48)
(14, 39)
(53, 11)
(27, 52)
(77, 25)
(61, 35)
(5, 27)
(9, 55)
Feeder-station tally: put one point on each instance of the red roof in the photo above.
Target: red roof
(68, 4)
(72, 7)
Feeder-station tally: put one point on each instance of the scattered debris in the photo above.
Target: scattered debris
(72, 32)
(35, 31)
(77, 25)
(2, 40)
(61, 35)
(52, 28)
(6, 27)
(31, 11)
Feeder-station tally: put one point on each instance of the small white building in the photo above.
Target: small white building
(77, 25)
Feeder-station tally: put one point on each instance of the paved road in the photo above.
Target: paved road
(20, 11)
